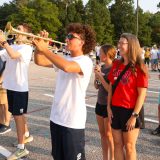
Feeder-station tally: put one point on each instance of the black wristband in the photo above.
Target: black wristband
(3, 43)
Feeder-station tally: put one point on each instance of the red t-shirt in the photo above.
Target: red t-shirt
(126, 92)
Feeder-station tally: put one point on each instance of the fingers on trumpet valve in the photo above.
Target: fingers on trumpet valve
(44, 33)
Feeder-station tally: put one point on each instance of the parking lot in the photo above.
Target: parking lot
(42, 85)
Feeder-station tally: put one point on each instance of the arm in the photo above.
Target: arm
(99, 77)
(109, 95)
(12, 54)
(104, 83)
(58, 61)
(41, 60)
(109, 99)
(140, 100)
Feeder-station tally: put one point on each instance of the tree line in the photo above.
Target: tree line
(108, 19)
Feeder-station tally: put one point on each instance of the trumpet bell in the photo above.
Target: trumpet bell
(8, 27)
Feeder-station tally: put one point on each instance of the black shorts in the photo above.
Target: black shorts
(18, 102)
(67, 143)
(120, 118)
(101, 110)
(146, 61)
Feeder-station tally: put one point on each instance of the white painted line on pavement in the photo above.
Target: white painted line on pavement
(4, 152)
(152, 92)
(49, 95)
(150, 120)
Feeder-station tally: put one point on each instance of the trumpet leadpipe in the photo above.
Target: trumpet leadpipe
(10, 30)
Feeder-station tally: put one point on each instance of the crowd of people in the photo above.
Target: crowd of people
(121, 83)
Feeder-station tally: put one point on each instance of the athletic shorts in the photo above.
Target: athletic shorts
(3, 95)
(154, 61)
(67, 143)
(18, 102)
(146, 61)
(121, 116)
(101, 110)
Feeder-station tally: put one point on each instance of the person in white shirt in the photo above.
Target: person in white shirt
(154, 58)
(15, 81)
(68, 114)
(143, 52)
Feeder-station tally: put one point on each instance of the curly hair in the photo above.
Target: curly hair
(86, 33)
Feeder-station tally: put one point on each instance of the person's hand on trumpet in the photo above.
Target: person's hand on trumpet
(40, 44)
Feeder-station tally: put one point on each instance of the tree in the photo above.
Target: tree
(69, 11)
(145, 30)
(40, 14)
(155, 24)
(98, 16)
(5, 11)
(123, 17)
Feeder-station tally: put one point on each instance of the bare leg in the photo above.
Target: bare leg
(7, 115)
(26, 127)
(4, 114)
(130, 139)
(20, 126)
(118, 144)
(104, 144)
(2, 118)
(109, 138)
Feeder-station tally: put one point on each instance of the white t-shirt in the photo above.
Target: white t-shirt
(15, 75)
(69, 108)
(143, 52)
(154, 54)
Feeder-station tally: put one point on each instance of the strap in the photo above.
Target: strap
(114, 86)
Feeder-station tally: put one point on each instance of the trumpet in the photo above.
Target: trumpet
(9, 30)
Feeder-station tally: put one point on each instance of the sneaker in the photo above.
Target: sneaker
(156, 131)
(19, 153)
(4, 129)
(27, 140)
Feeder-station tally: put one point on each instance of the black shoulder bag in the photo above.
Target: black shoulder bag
(114, 86)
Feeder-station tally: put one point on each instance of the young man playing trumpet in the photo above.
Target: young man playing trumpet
(68, 114)
(15, 81)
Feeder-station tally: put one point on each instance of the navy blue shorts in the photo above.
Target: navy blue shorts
(101, 110)
(67, 143)
(121, 116)
(18, 102)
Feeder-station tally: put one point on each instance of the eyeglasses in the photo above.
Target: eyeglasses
(70, 36)
(121, 43)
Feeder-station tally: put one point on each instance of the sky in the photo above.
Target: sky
(146, 5)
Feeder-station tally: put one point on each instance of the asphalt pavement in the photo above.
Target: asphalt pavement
(42, 86)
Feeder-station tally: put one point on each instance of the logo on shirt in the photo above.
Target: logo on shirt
(125, 77)
(79, 156)
(21, 110)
